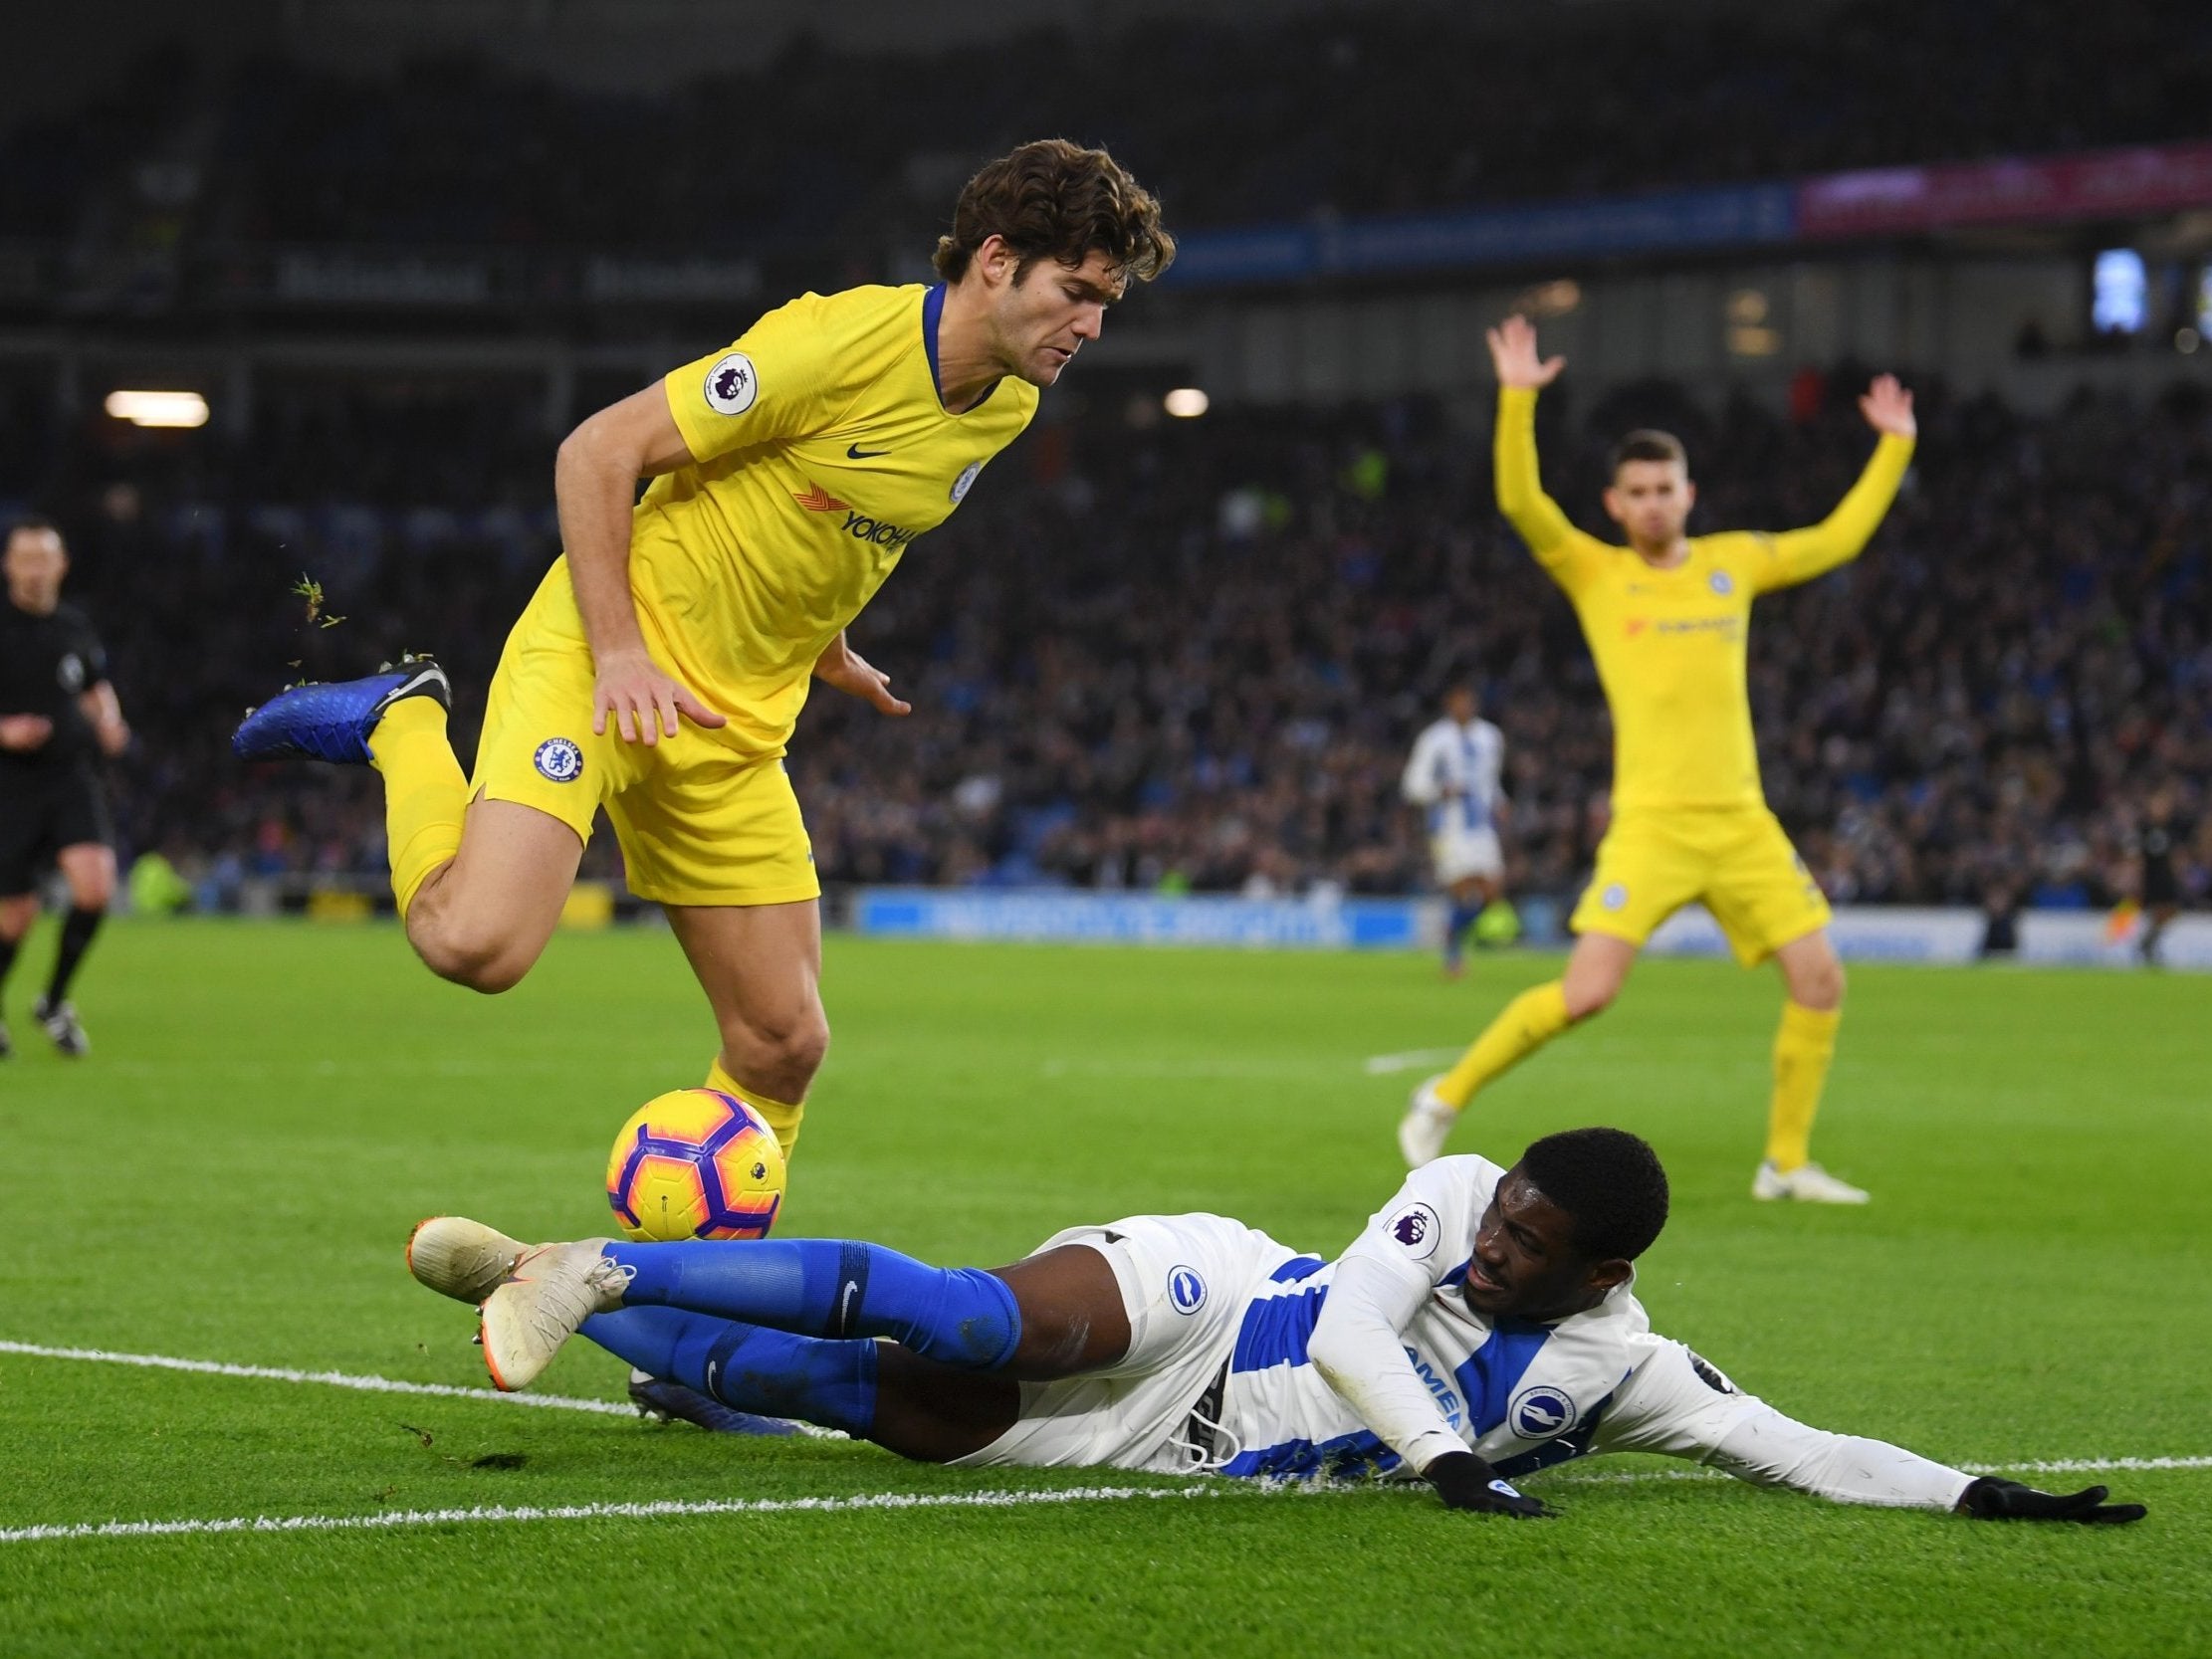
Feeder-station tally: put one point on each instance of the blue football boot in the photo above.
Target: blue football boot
(656, 1396)
(332, 720)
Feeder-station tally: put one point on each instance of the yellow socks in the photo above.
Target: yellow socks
(1529, 1022)
(1803, 1048)
(425, 795)
(781, 1115)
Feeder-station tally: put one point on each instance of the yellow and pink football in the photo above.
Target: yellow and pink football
(694, 1164)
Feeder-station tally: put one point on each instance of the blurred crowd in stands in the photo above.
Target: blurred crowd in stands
(1333, 111)
(1192, 653)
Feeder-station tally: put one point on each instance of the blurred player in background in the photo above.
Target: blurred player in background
(58, 716)
(661, 666)
(1454, 772)
(1666, 619)
(2164, 832)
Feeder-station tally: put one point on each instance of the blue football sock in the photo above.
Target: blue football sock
(833, 1288)
(773, 1372)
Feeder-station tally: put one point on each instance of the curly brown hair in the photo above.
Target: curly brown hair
(1055, 200)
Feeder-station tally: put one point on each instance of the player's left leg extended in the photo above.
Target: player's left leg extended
(1644, 873)
(830, 1288)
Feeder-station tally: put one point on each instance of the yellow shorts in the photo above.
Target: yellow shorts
(1737, 861)
(700, 822)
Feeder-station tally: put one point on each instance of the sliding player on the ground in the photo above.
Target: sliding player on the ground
(1483, 1326)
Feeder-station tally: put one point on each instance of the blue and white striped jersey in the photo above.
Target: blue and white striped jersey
(1454, 773)
(1521, 1394)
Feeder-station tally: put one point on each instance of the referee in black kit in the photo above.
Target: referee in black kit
(58, 714)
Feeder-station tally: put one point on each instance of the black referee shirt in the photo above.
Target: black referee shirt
(46, 663)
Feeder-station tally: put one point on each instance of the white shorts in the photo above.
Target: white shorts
(1186, 1281)
(1462, 853)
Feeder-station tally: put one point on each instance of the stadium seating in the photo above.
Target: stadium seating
(1192, 655)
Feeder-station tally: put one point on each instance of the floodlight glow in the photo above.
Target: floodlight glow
(2121, 292)
(158, 408)
(1186, 403)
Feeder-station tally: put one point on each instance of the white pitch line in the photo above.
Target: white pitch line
(765, 1506)
(2087, 1465)
(667, 1508)
(2046, 1466)
(592, 1511)
(1413, 1060)
(334, 1379)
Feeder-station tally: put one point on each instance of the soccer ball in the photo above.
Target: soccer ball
(694, 1164)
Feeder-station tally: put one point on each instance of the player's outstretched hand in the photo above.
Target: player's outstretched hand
(856, 676)
(1514, 356)
(1991, 1499)
(1887, 407)
(643, 701)
(1466, 1482)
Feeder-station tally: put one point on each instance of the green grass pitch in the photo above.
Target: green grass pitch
(269, 1107)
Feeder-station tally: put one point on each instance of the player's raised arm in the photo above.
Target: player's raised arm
(595, 475)
(1521, 489)
(1799, 556)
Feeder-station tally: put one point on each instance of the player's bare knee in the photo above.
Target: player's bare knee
(1819, 985)
(780, 1055)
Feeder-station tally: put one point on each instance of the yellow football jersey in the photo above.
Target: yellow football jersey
(1669, 644)
(820, 449)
